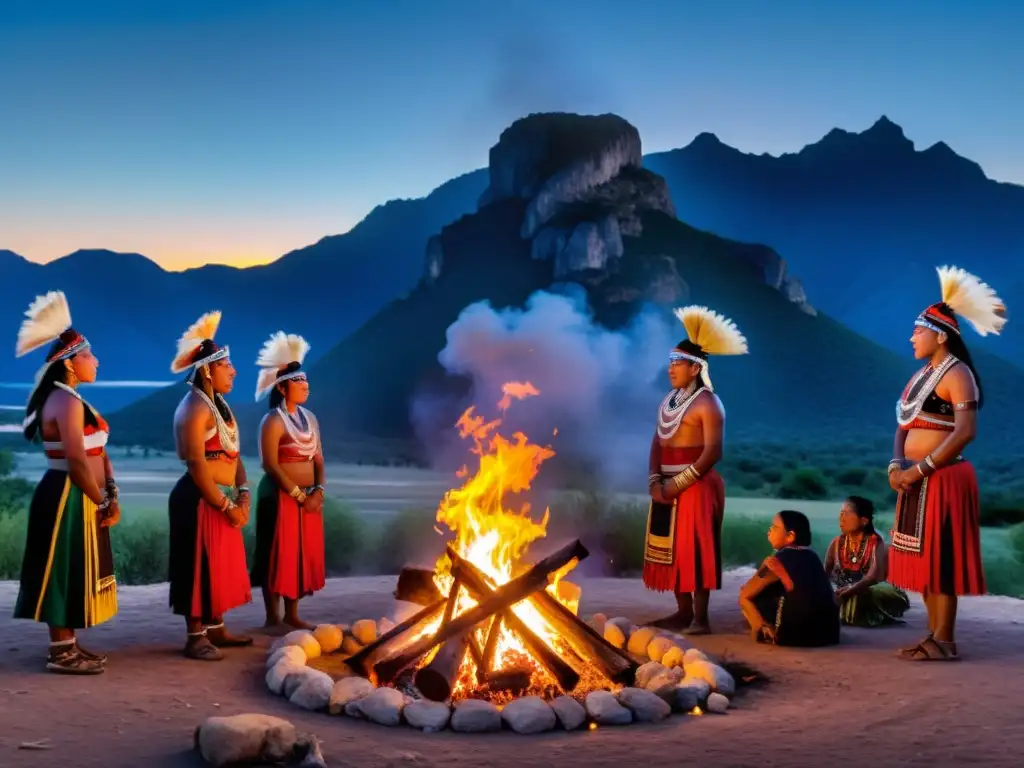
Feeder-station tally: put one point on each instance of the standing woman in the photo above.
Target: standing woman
(67, 575)
(289, 558)
(936, 538)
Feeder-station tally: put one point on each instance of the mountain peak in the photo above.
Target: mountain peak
(883, 127)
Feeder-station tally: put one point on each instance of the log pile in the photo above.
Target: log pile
(435, 641)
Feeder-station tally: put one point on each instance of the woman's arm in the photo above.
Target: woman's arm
(757, 583)
(899, 444)
(71, 425)
(271, 431)
(197, 417)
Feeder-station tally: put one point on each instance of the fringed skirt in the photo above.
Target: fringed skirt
(880, 605)
(208, 573)
(67, 574)
(936, 538)
(683, 547)
(289, 558)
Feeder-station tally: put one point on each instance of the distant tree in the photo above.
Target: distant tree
(7, 463)
(145, 452)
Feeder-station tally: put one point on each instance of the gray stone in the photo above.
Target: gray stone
(605, 709)
(428, 716)
(529, 714)
(475, 716)
(646, 706)
(382, 706)
(648, 671)
(690, 694)
(296, 679)
(346, 691)
(291, 653)
(314, 693)
(278, 673)
(570, 712)
(718, 703)
(715, 676)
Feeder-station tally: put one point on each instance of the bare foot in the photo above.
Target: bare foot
(297, 623)
(221, 638)
(675, 621)
(698, 628)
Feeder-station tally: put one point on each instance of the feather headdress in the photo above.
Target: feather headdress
(965, 295)
(45, 320)
(191, 341)
(707, 333)
(279, 351)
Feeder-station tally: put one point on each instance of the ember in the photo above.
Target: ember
(491, 627)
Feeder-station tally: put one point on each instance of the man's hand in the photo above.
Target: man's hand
(894, 480)
(657, 494)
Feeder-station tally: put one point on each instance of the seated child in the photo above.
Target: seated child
(789, 600)
(856, 564)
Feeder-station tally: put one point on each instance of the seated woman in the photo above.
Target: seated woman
(857, 566)
(789, 600)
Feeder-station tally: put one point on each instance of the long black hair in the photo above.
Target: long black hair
(54, 372)
(957, 347)
(797, 523)
(865, 509)
(276, 395)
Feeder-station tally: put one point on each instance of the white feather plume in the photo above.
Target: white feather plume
(45, 319)
(712, 332)
(277, 352)
(974, 301)
(202, 329)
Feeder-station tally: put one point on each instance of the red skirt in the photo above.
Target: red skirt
(936, 537)
(208, 570)
(289, 557)
(694, 530)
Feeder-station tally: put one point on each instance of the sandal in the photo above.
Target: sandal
(73, 662)
(931, 649)
(98, 657)
(200, 648)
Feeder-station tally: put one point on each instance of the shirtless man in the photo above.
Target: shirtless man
(683, 550)
(209, 506)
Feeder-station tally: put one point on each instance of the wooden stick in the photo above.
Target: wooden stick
(416, 585)
(361, 662)
(437, 679)
(580, 636)
(490, 648)
(548, 657)
(503, 597)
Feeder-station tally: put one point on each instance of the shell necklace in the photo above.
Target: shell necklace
(228, 434)
(305, 440)
(908, 407)
(672, 411)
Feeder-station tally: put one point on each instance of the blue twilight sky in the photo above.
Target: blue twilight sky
(236, 130)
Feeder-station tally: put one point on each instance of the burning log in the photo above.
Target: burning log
(559, 668)
(502, 598)
(361, 662)
(416, 585)
(580, 636)
(437, 679)
(515, 680)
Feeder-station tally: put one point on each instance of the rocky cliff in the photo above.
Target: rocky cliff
(584, 195)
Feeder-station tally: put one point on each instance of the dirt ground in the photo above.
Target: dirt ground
(856, 703)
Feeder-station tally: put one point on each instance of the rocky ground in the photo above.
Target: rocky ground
(856, 701)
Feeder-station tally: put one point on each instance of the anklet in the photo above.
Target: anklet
(196, 634)
(215, 626)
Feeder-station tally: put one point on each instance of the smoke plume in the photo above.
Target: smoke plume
(599, 389)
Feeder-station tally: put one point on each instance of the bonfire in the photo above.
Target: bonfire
(493, 626)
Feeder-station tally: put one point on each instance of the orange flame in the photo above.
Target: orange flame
(490, 535)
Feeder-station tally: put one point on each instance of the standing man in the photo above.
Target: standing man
(683, 551)
(209, 506)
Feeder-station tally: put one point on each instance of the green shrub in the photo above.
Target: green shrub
(804, 483)
(13, 530)
(7, 463)
(1004, 576)
(852, 476)
(1002, 508)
